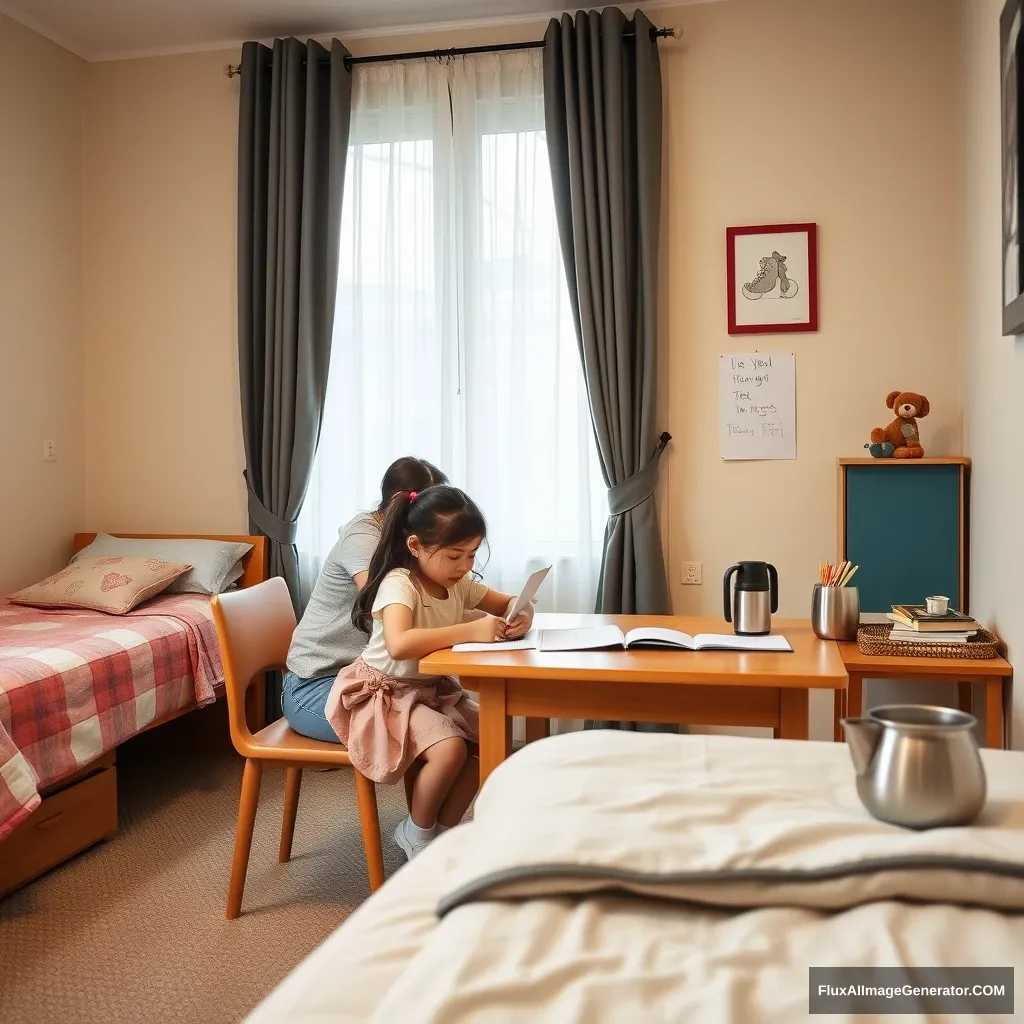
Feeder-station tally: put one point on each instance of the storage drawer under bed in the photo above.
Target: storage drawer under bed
(67, 821)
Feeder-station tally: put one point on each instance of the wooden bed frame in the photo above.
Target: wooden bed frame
(255, 567)
(81, 809)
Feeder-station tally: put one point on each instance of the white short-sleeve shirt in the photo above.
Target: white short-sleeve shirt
(399, 587)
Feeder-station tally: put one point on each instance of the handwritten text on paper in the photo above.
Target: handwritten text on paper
(757, 406)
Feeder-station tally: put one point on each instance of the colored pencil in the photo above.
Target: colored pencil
(836, 575)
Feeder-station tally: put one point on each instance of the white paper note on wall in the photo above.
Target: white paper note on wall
(757, 405)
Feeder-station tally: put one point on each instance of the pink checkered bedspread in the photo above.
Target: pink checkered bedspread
(75, 684)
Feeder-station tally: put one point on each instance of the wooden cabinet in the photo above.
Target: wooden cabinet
(905, 523)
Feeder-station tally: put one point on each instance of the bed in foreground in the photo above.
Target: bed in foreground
(615, 877)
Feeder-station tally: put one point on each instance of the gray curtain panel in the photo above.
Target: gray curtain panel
(602, 107)
(293, 127)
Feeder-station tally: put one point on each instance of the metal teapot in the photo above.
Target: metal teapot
(755, 600)
(917, 766)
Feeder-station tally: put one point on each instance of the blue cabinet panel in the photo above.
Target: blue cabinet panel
(903, 529)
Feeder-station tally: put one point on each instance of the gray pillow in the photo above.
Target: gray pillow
(217, 564)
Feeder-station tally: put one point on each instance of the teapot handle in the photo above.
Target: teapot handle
(725, 590)
(773, 582)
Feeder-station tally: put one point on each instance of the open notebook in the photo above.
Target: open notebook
(596, 638)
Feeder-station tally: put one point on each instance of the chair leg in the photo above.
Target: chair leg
(366, 796)
(292, 783)
(243, 834)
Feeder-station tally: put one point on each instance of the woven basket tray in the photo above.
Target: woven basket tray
(874, 639)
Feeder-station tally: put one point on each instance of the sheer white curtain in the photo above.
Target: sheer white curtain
(453, 335)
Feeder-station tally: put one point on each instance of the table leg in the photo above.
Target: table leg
(994, 712)
(855, 697)
(964, 696)
(537, 729)
(1008, 713)
(793, 713)
(838, 712)
(495, 726)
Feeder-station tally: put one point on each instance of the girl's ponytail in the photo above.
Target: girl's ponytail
(391, 553)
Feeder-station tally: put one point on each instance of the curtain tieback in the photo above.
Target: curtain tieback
(640, 486)
(281, 531)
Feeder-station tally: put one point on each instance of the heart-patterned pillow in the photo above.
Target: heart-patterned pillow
(91, 583)
(52, 581)
(113, 580)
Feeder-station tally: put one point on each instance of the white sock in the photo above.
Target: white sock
(418, 837)
(439, 828)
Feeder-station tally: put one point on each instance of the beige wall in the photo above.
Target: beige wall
(164, 443)
(993, 365)
(41, 392)
(844, 114)
(807, 110)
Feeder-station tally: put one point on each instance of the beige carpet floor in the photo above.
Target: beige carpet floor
(133, 930)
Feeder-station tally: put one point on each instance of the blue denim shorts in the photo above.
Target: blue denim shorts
(304, 701)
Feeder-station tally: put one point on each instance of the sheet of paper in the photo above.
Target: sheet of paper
(526, 643)
(528, 592)
(658, 634)
(757, 405)
(593, 638)
(730, 641)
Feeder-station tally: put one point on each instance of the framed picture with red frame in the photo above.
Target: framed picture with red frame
(772, 278)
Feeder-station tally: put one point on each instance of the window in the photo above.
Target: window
(454, 338)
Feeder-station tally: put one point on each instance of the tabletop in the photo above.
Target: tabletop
(864, 664)
(813, 663)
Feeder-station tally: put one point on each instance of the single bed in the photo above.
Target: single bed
(76, 684)
(612, 877)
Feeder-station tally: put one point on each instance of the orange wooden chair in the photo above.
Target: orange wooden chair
(255, 627)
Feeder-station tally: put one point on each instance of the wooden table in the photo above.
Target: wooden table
(698, 688)
(994, 673)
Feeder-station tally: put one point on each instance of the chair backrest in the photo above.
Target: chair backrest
(254, 627)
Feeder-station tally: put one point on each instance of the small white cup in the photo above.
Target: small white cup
(937, 605)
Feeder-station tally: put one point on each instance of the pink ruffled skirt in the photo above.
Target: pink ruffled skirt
(387, 723)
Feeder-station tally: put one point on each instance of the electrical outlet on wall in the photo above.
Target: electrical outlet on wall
(691, 576)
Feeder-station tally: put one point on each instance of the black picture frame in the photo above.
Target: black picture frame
(1012, 109)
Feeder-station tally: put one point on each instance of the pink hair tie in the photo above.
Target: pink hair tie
(412, 496)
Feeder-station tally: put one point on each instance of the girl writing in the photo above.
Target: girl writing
(392, 717)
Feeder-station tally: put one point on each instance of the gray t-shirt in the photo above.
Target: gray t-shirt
(325, 639)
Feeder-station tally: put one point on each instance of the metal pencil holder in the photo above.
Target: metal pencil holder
(835, 612)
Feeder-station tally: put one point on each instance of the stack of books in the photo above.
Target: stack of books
(913, 625)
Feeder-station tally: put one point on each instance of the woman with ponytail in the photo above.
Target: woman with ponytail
(390, 715)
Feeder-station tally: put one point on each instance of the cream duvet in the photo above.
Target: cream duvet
(618, 877)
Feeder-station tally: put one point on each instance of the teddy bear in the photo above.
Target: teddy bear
(900, 439)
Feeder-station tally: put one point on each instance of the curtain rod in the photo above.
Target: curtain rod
(231, 70)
